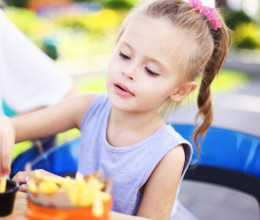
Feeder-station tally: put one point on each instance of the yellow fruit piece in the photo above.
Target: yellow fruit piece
(32, 186)
(3, 184)
(37, 174)
(94, 183)
(105, 196)
(97, 208)
(48, 187)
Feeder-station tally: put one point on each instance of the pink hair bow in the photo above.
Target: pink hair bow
(208, 12)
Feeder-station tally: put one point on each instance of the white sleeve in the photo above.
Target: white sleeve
(28, 78)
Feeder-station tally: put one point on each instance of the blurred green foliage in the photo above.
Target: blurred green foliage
(119, 4)
(34, 27)
(75, 36)
(27, 21)
(246, 32)
(234, 18)
(229, 80)
(247, 36)
(93, 84)
(96, 22)
(17, 3)
(112, 4)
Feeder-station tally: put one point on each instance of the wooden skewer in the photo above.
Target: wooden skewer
(3, 184)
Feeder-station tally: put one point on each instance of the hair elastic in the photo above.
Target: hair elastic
(208, 12)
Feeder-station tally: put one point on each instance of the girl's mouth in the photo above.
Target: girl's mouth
(123, 90)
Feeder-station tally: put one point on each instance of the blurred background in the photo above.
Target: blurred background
(80, 35)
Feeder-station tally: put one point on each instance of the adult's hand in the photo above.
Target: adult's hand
(7, 141)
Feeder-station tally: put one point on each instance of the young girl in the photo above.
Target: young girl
(162, 47)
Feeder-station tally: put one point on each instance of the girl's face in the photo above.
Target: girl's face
(141, 73)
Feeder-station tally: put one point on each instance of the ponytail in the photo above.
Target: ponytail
(204, 101)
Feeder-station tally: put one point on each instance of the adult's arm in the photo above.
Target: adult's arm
(29, 79)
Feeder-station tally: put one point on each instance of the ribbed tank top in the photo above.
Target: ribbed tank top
(131, 166)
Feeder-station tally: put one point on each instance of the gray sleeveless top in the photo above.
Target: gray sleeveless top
(129, 166)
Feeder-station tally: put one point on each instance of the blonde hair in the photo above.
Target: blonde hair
(203, 54)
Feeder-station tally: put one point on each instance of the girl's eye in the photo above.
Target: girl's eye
(150, 72)
(124, 56)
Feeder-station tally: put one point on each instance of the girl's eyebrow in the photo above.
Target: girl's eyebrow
(154, 60)
(160, 64)
(126, 44)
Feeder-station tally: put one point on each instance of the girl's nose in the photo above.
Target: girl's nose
(129, 76)
(129, 72)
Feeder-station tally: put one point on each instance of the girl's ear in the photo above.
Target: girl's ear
(183, 91)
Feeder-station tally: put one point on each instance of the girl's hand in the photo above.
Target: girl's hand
(23, 177)
(7, 141)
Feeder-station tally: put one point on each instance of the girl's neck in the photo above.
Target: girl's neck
(128, 128)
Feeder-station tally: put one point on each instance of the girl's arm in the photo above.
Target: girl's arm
(52, 120)
(49, 121)
(161, 187)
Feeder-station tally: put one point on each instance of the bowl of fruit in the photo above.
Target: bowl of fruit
(82, 197)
